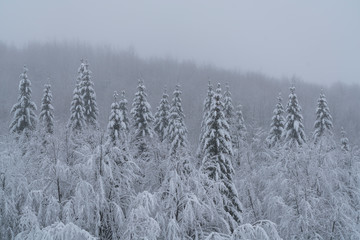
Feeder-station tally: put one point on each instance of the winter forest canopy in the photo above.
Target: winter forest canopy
(172, 153)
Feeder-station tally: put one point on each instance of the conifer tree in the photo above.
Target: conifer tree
(277, 123)
(177, 131)
(142, 118)
(162, 117)
(239, 127)
(46, 116)
(76, 121)
(81, 70)
(114, 123)
(88, 96)
(294, 129)
(323, 123)
(177, 136)
(206, 112)
(124, 115)
(217, 160)
(228, 107)
(344, 141)
(24, 111)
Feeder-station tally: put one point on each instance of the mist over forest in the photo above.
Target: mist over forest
(113, 69)
(99, 143)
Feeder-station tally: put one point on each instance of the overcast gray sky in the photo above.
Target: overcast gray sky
(316, 40)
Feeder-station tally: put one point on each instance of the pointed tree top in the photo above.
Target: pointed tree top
(210, 86)
(115, 95)
(165, 89)
(292, 89)
(25, 69)
(123, 94)
(279, 97)
(47, 86)
(218, 85)
(177, 87)
(140, 81)
(82, 60)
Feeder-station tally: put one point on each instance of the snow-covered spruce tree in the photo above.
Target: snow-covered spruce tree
(24, 110)
(176, 132)
(344, 141)
(206, 112)
(239, 132)
(118, 149)
(46, 117)
(228, 106)
(217, 161)
(177, 137)
(76, 122)
(277, 124)
(294, 133)
(88, 96)
(142, 119)
(323, 123)
(114, 123)
(124, 114)
(162, 117)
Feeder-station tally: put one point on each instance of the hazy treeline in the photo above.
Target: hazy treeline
(136, 175)
(112, 69)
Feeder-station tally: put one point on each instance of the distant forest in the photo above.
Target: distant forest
(85, 155)
(57, 63)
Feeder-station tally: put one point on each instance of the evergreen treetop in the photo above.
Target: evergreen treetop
(206, 111)
(24, 110)
(88, 95)
(114, 122)
(294, 133)
(228, 106)
(217, 160)
(323, 123)
(124, 116)
(46, 116)
(162, 116)
(142, 120)
(76, 121)
(177, 132)
(239, 128)
(277, 123)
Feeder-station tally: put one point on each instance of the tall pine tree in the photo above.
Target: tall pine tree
(46, 116)
(24, 110)
(323, 123)
(114, 125)
(177, 132)
(277, 124)
(162, 117)
(294, 129)
(142, 119)
(76, 121)
(206, 112)
(228, 107)
(217, 160)
(88, 95)
(124, 114)
(239, 128)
